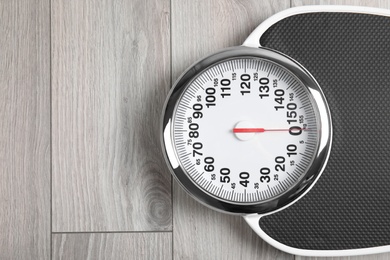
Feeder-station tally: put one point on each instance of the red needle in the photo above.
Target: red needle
(258, 130)
(248, 130)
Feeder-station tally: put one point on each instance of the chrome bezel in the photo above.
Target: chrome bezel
(281, 200)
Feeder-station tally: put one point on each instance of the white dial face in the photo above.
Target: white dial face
(245, 130)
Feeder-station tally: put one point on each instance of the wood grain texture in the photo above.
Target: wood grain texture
(24, 129)
(156, 246)
(200, 28)
(376, 3)
(202, 233)
(110, 77)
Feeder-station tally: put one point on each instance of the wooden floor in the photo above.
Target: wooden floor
(82, 85)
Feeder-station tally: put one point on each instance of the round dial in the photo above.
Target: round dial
(245, 130)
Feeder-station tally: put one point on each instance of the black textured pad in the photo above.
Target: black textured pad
(349, 55)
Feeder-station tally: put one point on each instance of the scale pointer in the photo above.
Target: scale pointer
(259, 130)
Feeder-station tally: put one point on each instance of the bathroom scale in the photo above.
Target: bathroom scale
(291, 130)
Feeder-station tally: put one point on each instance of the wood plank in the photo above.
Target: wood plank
(381, 4)
(113, 246)
(25, 129)
(202, 233)
(200, 28)
(110, 78)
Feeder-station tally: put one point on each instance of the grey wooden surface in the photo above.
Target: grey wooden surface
(82, 84)
(110, 76)
(137, 246)
(24, 129)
